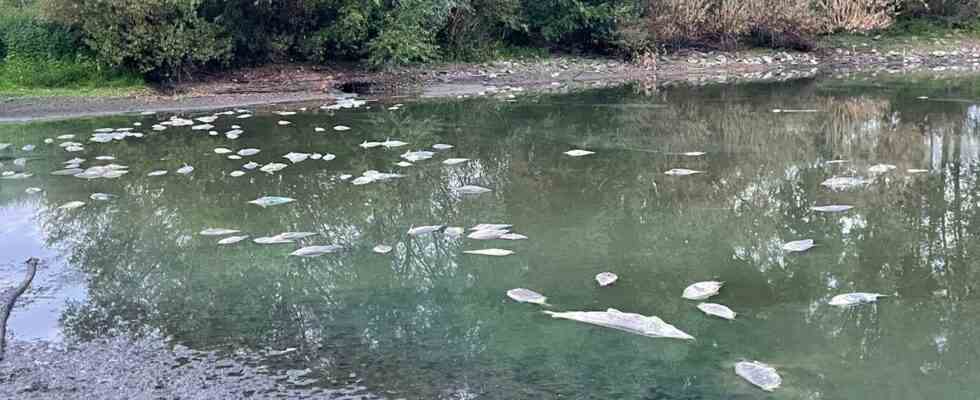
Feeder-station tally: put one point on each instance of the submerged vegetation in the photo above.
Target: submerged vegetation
(64, 43)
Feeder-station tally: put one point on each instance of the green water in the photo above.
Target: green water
(429, 322)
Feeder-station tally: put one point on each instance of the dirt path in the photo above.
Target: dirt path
(296, 83)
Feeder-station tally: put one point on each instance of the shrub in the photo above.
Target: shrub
(23, 35)
(164, 39)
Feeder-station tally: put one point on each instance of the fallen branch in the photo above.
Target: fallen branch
(9, 297)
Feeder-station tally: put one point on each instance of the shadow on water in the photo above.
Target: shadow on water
(427, 321)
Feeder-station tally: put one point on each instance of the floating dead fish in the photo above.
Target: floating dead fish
(234, 157)
(717, 310)
(186, 169)
(296, 235)
(285, 113)
(798, 245)
(157, 173)
(105, 158)
(296, 157)
(68, 172)
(222, 150)
(393, 143)
(522, 295)
(272, 167)
(345, 177)
(404, 164)
(881, 168)
(75, 160)
(236, 174)
(319, 129)
(232, 240)
(512, 236)
(578, 153)
(243, 116)
(4, 146)
(362, 180)
(487, 234)
(440, 146)
(843, 182)
(491, 227)
(208, 119)
(218, 232)
(369, 145)
(272, 240)
(251, 165)
(916, 171)
(783, 110)
(693, 154)
(32, 190)
(71, 205)
(682, 172)
(490, 252)
(471, 189)
(316, 251)
(101, 196)
(702, 290)
(19, 175)
(832, 208)
(382, 249)
(606, 278)
(453, 231)
(416, 156)
(425, 229)
(202, 127)
(284, 123)
(248, 152)
(454, 161)
(316, 156)
(759, 374)
(28, 147)
(852, 299)
(268, 201)
(650, 326)
(329, 157)
(341, 128)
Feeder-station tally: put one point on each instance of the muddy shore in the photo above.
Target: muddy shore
(299, 83)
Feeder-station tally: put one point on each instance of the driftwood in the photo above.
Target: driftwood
(9, 297)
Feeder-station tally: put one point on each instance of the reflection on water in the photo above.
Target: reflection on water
(427, 321)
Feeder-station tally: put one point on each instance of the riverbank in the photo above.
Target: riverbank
(297, 83)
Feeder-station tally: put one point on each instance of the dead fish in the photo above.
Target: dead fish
(717, 310)
(101, 196)
(236, 174)
(783, 110)
(798, 245)
(68, 172)
(369, 145)
(222, 150)
(32, 190)
(329, 157)
(105, 158)
(316, 156)
(512, 236)
(831, 208)
(285, 113)
(28, 147)
(296, 157)
(453, 231)
(341, 128)
(404, 164)
(157, 173)
(268, 201)
(487, 234)
(693, 154)
(319, 129)
(19, 175)
(296, 235)
(416, 156)
(881, 168)
(186, 169)
(491, 227)
(271, 240)
(382, 249)
(248, 152)
(702, 290)
(4, 146)
(251, 165)
(916, 171)
(316, 251)
(851, 299)
(218, 232)
(425, 229)
(759, 374)
(522, 295)
(578, 153)
(454, 161)
(390, 144)
(284, 123)
(682, 172)
(202, 127)
(272, 167)
(606, 278)
(650, 326)
(440, 146)
(843, 182)
(71, 205)
(232, 240)
(490, 252)
(471, 189)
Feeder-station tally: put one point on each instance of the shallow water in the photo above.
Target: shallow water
(427, 321)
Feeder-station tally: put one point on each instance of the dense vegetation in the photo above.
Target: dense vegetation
(58, 42)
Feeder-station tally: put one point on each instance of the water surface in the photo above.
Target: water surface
(428, 321)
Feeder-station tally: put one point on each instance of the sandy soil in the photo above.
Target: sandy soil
(297, 83)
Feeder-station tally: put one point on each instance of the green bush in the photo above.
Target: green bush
(23, 35)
